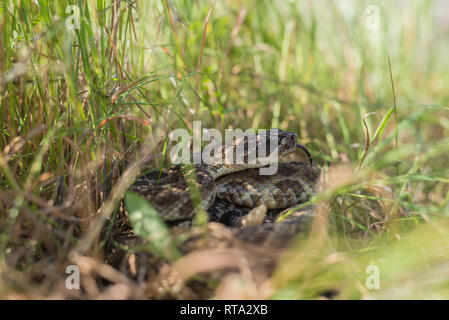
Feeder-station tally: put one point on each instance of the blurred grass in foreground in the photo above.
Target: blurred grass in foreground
(77, 104)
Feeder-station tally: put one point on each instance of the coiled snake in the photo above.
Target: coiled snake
(234, 194)
(241, 185)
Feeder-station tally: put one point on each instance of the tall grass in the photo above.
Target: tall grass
(80, 106)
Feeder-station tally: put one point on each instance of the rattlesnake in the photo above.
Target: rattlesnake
(229, 192)
(241, 184)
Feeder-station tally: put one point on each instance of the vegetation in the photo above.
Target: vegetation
(82, 102)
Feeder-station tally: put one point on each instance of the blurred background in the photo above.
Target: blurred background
(90, 87)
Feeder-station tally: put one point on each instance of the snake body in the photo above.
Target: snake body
(230, 191)
(232, 194)
(170, 190)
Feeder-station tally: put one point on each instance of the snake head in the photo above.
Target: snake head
(257, 150)
(288, 143)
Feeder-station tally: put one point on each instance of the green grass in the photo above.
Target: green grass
(78, 108)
